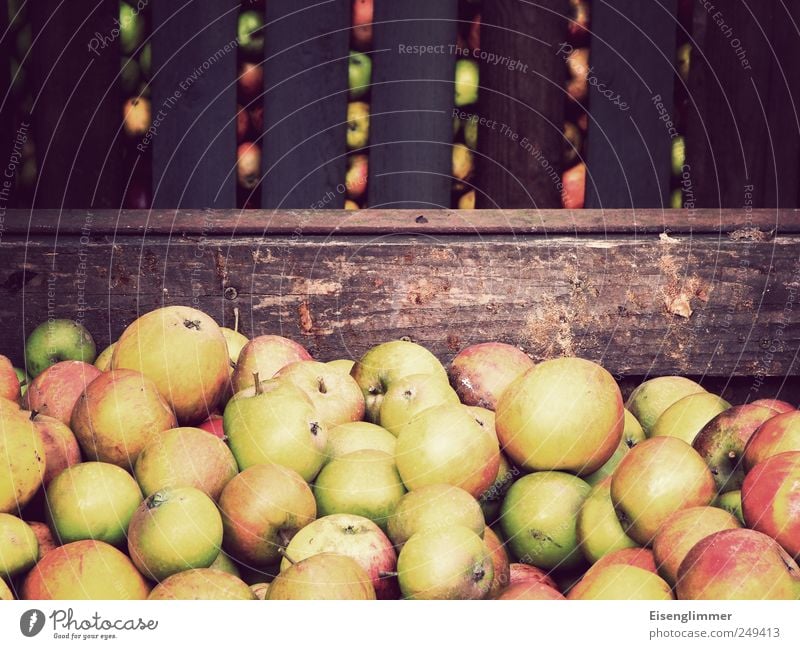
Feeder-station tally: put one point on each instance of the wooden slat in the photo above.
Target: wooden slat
(305, 103)
(194, 104)
(519, 163)
(744, 117)
(77, 110)
(632, 60)
(7, 107)
(411, 127)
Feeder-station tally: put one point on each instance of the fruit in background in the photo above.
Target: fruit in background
(738, 564)
(22, 457)
(357, 125)
(572, 143)
(56, 390)
(463, 163)
(678, 155)
(474, 34)
(621, 582)
(19, 547)
(251, 81)
(467, 81)
(408, 397)
(44, 536)
(445, 563)
(579, 20)
(683, 59)
(61, 448)
(10, 381)
(23, 379)
(57, 340)
(471, 134)
(146, 60)
(721, 442)
(350, 206)
(539, 519)
(565, 413)
(173, 530)
(117, 415)
(359, 74)
(657, 478)
(521, 572)
(632, 434)
(500, 563)
(248, 165)
(776, 435)
(481, 373)
(357, 436)
(256, 114)
(265, 355)
(92, 500)
(343, 365)
(185, 457)
(445, 445)
(275, 422)
(202, 583)
(214, 425)
(361, 33)
(323, 576)
(224, 563)
(530, 590)
(183, 351)
(775, 404)
(355, 180)
(650, 399)
(687, 416)
(578, 67)
(235, 340)
(365, 483)
(676, 199)
(129, 76)
(437, 506)
(388, 362)
(350, 536)
(242, 124)
(86, 570)
(598, 528)
(137, 116)
(250, 33)
(131, 28)
(731, 502)
(336, 396)
(103, 360)
(771, 499)
(573, 181)
(262, 509)
(467, 200)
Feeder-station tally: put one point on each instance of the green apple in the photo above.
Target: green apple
(684, 59)
(58, 340)
(467, 82)
(687, 417)
(131, 28)
(344, 365)
(103, 360)
(632, 434)
(357, 125)
(251, 32)
(24, 380)
(676, 199)
(357, 436)
(145, 60)
(599, 530)
(731, 502)
(678, 155)
(359, 74)
(621, 582)
(654, 396)
(19, 547)
(409, 396)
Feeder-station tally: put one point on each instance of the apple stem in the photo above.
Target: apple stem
(385, 574)
(732, 455)
(259, 389)
(236, 319)
(283, 553)
(34, 414)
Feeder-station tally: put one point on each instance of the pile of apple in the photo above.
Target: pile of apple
(190, 462)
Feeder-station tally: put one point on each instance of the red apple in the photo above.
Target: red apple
(60, 446)
(362, 24)
(573, 180)
(242, 124)
(355, 180)
(779, 406)
(9, 383)
(248, 165)
(265, 355)
(523, 572)
(779, 434)
(214, 426)
(45, 537)
(502, 570)
(56, 390)
(251, 81)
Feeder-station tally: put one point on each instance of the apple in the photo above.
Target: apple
(361, 32)
(500, 563)
(256, 115)
(260, 590)
(522, 572)
(250, 33)
(242, 124)
(22, 457)
(214, 425)
(357, 125)
(131, 28)
(721, 442)
(579, 19)
(251, 81)
(573, 183)
(775, 404)
(351, 536)
(55, 391)
(467, 200)
(224, 563)
(409, 396)
(738, 564)
(387, 363)
(491, 500)
(771, 499)
(61, 448)
(92, 500)
(11, 408)
(481, 373)
(355, 180)
(19, 547)
(639, 557)
(350, 206)
(445, 563)
(174, 529)
(357, 436)
(681, 531)
(202, 583)
(103, 360)
(87, 570)
(117, 415)
(657, 478)
(146, 60)
(23, 379)
(684, 61)
(235, 342)
(265, 355)
(578, 67)
(650, 399)
(185, 457)
(598, 528)
(571, 146)
(365, 483)
(463, 163)
(323, 576)
(678, 155)
(343, 365)
(136, 116)
(248, 165)
(565, 413)
(776, 435)
(529, 590)
(336, 396)
(10, 384)
(44, 536)
(275, 422)
(687, 416)
(621, 582)
(467, 82)
(5, 592)
(731, 502)
(262, 509)
(433, 507)
(359, 74)
(57, 340)
(539, 519)
(445, 445)
(632, 434)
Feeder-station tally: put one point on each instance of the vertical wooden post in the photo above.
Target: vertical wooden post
(77, 109)
(7, 112)
(412, 103)
(305, 103)
(744, 128)
(632, 118)
(193, 136)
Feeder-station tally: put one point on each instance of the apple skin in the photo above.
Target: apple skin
(57, 340)
(779, 434)
(19, 546)
(361, 32)
(214, 425)
(463, 163)
(359, 74)
(61, 448)
(357, 436)
(45, 537)
(55, 391)
(564, 414)
(9, 382)
(262, 509)
(655, 479)
(771, 499)
(250, 33)
(639, 557)
(23, 379)
(248, 165)
(573, 195)
(409, 396)
(481, 373)
(731, 502)
(522, 572)
(721, 442)
(738, 564)
(500, 563)
(137, 116)
(22, 457)
(131, 28)
(681, 531)
(357, 125)
(356, 176)
(265, 355)
(202, 583)
(323, 576)
(351, 536)
(529, 590)
(632, 434)
(235, 342)
(598, 528)
(467, 82)
(344, 365)
(650, 399)
(251, 81)
(775, 404)
(621, 582)
(687, 416)
(103, 360)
